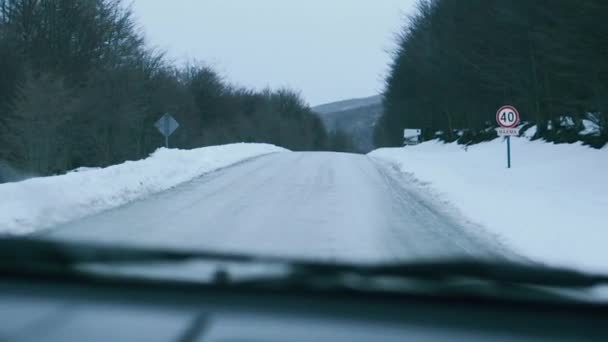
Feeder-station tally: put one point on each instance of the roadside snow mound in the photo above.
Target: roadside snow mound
(40, 203)
(552, 206)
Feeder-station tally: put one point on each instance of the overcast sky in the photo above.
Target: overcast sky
(328, 49)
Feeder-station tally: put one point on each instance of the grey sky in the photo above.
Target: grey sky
(328, 49)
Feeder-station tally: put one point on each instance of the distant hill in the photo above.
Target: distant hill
(347, 104)
(356, 117)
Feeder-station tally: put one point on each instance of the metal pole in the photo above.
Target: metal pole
(166, 130)
(509, 152)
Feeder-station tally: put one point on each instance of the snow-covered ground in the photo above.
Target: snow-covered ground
(43, 202)
(552, 206)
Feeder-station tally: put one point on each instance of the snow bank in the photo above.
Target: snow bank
(552, 206)
(40, 203)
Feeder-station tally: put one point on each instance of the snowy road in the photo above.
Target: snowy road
(313, 205)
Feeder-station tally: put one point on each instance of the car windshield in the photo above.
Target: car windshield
(383, 138)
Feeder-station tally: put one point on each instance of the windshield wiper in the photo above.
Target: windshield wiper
(18, 253)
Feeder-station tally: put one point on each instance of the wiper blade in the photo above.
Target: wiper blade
(25, 250)
(19, 252)
(496, 271)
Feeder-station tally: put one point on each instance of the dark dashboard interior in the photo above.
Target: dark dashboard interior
(76, 309)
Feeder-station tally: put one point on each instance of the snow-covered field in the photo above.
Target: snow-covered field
(43, 202)
(552, 206)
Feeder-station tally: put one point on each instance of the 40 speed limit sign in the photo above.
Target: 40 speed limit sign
(507, 117)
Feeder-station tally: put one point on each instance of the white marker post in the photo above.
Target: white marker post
(508, 119)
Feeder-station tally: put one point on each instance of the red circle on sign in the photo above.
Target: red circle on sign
(507, 123)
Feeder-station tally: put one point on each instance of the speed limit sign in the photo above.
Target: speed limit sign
(507, 117)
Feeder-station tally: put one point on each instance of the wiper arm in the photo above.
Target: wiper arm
(17, 252)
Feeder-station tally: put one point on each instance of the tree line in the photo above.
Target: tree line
(458, 61)
(79, 87)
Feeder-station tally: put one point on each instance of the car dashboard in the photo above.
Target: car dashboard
(85, 309)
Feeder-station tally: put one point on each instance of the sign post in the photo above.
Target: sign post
(508, 118)
(508, 152)
(166, 125)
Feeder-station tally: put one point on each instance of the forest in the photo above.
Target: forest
(80, 86)
(458, 61)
